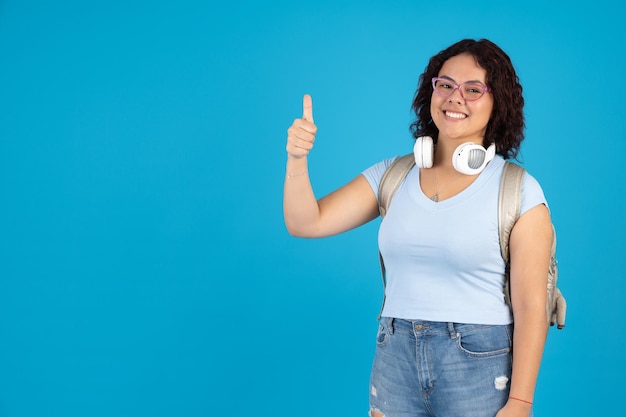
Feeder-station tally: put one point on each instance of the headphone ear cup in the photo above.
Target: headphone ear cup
(423, 150)
(471, 158)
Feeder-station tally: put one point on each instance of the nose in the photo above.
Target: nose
(456, 96)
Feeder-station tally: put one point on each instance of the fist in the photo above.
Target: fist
(301, 133)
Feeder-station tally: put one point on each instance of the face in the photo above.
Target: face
(457, 118)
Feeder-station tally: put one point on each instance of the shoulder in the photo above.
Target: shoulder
(532, 193)
(375, 173)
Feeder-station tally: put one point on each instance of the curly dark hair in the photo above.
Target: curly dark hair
(506, 125)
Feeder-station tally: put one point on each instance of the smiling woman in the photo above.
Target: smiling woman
(144, 255)
(458, 117)
(440, 245)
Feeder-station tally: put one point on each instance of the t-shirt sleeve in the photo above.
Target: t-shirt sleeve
(532, 194)
(375, 173)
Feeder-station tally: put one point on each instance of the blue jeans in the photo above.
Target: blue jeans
(435, 369)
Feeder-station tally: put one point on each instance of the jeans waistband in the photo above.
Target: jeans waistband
(431, 327)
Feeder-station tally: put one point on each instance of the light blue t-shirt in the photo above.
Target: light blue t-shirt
(442, 259)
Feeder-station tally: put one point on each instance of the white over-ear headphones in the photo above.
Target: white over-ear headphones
(468, 158)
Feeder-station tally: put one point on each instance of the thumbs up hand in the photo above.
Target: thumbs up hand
(301, 133)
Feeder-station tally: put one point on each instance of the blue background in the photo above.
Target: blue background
(145, 269)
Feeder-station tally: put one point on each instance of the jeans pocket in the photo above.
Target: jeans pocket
(485, 341)
(384, 326)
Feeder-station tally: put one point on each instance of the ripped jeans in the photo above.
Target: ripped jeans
(435, 369)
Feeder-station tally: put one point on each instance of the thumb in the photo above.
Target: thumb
(307, 108)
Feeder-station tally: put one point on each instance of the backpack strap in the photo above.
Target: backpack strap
(391, 180)
(509, 208)
(509, 204)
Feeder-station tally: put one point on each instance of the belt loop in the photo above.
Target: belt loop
(451, 330)
(390, 325)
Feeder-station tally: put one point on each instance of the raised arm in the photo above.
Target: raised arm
(530, 243)
(305, 216)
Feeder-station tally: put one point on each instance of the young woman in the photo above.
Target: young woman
(448, 344)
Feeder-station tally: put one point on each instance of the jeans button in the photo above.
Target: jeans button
(419, 327)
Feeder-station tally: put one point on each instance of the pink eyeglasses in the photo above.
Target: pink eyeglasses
(470, 91)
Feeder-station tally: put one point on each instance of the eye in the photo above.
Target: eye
(474, 89)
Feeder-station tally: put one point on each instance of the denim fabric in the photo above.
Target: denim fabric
(435, 369)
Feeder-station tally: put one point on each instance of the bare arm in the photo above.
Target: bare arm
(530, 244)
(346, 208)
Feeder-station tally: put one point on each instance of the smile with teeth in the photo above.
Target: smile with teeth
(455, 115)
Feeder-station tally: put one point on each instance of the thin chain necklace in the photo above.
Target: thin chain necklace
(435, 196)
